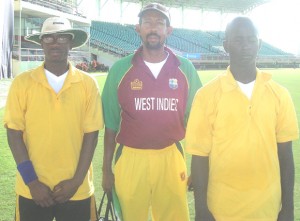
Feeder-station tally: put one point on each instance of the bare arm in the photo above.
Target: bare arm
(109, 149)
(200, 171)
(67, 188)
(41, 194)
(287, 174)
(17, 145)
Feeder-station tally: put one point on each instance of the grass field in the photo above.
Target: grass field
(290, 78)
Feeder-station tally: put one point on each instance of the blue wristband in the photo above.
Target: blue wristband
(27, 171)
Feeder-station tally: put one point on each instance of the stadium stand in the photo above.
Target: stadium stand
(66, 6)
(121, 40)
(110, 41)
(115, 38)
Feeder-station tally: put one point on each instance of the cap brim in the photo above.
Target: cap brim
(80, 37)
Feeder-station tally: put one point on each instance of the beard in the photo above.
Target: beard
(153, 45)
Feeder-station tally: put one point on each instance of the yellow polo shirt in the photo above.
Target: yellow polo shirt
(240, 137)
(53, 124)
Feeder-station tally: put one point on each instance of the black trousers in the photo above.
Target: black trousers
(79, 210)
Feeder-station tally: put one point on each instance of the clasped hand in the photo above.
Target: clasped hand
(45, 197)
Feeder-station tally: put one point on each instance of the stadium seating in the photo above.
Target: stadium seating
(110, 41)
(114, 37)
(203, 48)
(122, 40)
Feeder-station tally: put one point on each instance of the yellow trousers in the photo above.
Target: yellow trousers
(152, 179)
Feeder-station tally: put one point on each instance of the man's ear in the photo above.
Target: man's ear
(169, 30)
(71, 46)
(225, 46)
(259, 43)
(138, 28)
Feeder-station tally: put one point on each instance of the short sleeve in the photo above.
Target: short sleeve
(94, 117)
(287, 124)
(15, 108)
(111, 107)
(199, 128)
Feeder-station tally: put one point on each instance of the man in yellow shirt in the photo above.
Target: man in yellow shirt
(53, 115)
(240, 134)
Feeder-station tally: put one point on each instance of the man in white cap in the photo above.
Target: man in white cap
(53, 115)
(146, 102)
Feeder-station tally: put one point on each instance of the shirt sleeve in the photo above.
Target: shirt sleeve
(110, 101)
(194, 85)
(199, 128)
(93, 120)
(287, 124)
(193, 81)
(15, 108)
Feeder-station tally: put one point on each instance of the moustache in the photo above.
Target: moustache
(153, 34)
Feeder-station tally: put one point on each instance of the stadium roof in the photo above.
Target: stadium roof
(226, 6)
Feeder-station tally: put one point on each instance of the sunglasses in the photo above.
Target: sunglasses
(61, 39)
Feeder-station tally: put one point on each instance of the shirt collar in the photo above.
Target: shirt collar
(40, 76)
(228, 82)
(138, 59)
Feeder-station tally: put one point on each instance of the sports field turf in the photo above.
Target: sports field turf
(290, 78)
